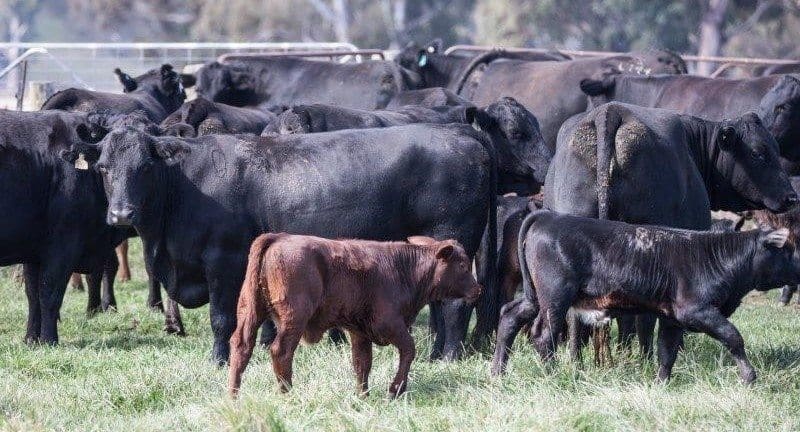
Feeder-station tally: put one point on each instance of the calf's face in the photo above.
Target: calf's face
(452, 277)
(780, 111)
(131, 164)
(749, 160)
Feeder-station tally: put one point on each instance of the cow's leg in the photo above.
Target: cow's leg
(361, 348)
(223, 289)
(282, 350)
(550, 322)
(670, 338)
(268, 332)
(242, 343)
(94, 281)
(397, 334)
(172, 318)
(76, 282)
(154, 301)
(645, 326)
(627, 330)
(488, 315)
(436, 326)
(34, 326)
(122, 259)
(456, 314)
(110, 267)
(713, 323)
(513, 316)
(579, 335)
(53, 279)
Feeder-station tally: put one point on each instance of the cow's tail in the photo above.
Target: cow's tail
(252, 278)
(527, 284)
(606, 124)
(486, 57)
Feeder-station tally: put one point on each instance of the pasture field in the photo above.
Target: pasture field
(118, 371)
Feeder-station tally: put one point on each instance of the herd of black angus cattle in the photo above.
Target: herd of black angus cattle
(601, 154)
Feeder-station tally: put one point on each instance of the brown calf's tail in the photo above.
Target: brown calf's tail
(250, 312)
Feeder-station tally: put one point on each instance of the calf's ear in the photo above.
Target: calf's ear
(445, 252)
(81, 155)
(776, 238)
(171, 151)
(127, 82)
(421, 240)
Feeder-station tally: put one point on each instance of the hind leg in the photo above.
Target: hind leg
(243, 339)
(578, 336)
(645, 326)
(513, 317)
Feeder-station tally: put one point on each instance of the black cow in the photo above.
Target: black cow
(198, 203)
(157, 93)
(660, 167)
(427, 97)
(203, 117)
(53, 215)
(292, 80)
(776, 99)
(522, 156)
(693, 280)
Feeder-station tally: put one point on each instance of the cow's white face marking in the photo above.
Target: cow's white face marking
(592, 317)
(643, 239)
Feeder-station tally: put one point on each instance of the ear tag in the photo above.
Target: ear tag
(81, 163)
(476, 126)
(423, 60)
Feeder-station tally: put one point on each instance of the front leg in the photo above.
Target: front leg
(34, 327)
(110, 267)
(397, 334)
(52, 283)
(362, 361)
(713, 323)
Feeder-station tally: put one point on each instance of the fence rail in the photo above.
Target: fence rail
(725, 62)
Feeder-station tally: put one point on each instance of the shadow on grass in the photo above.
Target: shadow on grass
(127, 341)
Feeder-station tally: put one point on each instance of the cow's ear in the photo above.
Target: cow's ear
(170, 81)
(81, 155)
(421, 240)
(171, 151)
(776, 238)
(480, 119)
(128, 83)
(445, 252)
(188, 80)
(434, 46)
(726, 137)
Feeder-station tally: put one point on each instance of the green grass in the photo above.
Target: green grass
(118, 371)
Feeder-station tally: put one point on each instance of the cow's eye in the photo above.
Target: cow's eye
(780, 108)
(102, 169)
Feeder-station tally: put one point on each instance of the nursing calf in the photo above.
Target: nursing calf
(693, 280)
(373, 290)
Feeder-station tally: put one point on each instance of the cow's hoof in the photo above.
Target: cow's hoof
(173, 329)
(124, 277)
(156, 307)
(748, 377)
(91, 312)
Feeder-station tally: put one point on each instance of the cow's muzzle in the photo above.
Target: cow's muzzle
(120, 216)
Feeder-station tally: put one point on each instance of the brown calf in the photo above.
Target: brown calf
(373, 290)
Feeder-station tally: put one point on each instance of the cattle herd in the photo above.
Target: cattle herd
(300, 196)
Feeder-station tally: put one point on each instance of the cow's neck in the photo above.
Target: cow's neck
(417, 266)
(154, 217)
(707, 156)
(445, 70)
(727, 259)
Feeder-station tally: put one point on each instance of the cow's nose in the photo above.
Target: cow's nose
(120, 216)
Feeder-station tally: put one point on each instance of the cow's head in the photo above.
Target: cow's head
(233, 84)
(164, 84)
(780, 111)
(747, 162)
(132, 164)
(420, 60)
(523, 157)
(776, 261)
(295, 120)
(452, 275)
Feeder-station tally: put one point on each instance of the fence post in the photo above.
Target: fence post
(38, 92)
(21, 84)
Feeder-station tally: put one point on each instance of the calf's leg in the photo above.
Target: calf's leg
(786, 294)
(645, 326)
(579, 335)
(670, 338)
(282, 351)
(122, 259)
(362, 361)
(250, 316)
(713, 323)
(399, 337)
(513, 316)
